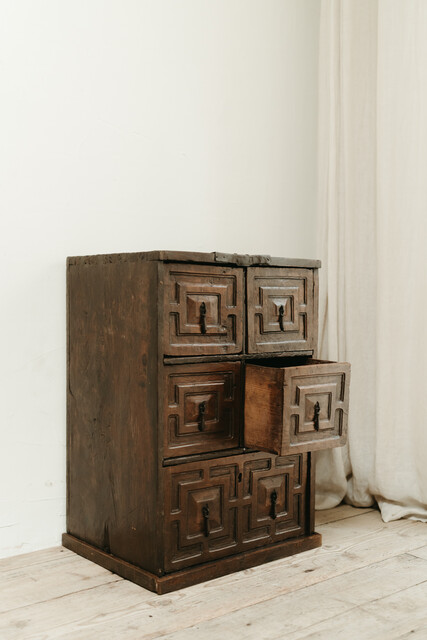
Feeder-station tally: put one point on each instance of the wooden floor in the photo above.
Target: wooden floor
(369, 580)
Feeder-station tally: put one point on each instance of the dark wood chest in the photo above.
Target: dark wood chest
(194, 402)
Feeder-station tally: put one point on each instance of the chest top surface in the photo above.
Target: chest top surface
(213, 257)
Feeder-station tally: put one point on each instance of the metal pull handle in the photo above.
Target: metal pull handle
(206, 524)
(202, 410)
(316, 416)
(273, 499)
(203, 317)
(281, 316)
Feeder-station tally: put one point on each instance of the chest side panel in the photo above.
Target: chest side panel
(112, 475)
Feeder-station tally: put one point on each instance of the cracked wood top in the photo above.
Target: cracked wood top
(214, 257)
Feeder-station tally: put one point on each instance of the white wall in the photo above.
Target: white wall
(128, 126)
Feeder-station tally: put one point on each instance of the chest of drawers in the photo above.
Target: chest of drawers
(195, 401)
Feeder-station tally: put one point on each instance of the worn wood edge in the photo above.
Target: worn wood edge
(193, 575)
(168, 360)
(67, 394)
(111, 563)
(311, 501)
(213, 257)
(160, 394)
(316, 312)
(208, 455)
(246, 260)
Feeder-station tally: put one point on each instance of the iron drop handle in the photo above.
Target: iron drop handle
(281, 316)
(316, 416)
(273, 499)
(202, 410)
(203, 317)
(206, 523)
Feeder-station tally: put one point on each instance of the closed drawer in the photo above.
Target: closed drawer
(281, 310)
(220, 507)
(203, 310)
(201, 512)
(203, 406)
(274, 498)
(295, 406)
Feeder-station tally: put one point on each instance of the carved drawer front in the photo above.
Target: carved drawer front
(201, 512)
(203, 309)
(203, 405)
(274, 490)
(292, 406)
(281, 310)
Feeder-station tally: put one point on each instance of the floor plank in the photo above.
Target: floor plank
(341, 512)
(40, 582)
(75, 611)
(402, 613)
(36, 557)
(302, 609)
(421, 552)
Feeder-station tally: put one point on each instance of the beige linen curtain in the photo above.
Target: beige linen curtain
(372, 231)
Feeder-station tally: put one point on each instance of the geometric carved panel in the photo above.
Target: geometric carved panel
(201, 513)
(280, 310)
(203, 309)
(274, 499)
(203, 406)
(316, 404)
(215, 508)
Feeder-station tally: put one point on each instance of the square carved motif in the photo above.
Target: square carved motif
(274, 494)
(203, 514)
(280, 310)
(202, 408)
(203, 309)
(317, 405)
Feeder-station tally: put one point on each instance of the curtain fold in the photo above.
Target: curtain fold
(372, 224)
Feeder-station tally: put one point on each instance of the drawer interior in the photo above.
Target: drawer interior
(286, 362)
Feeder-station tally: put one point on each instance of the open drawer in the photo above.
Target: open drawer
(293, 405)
